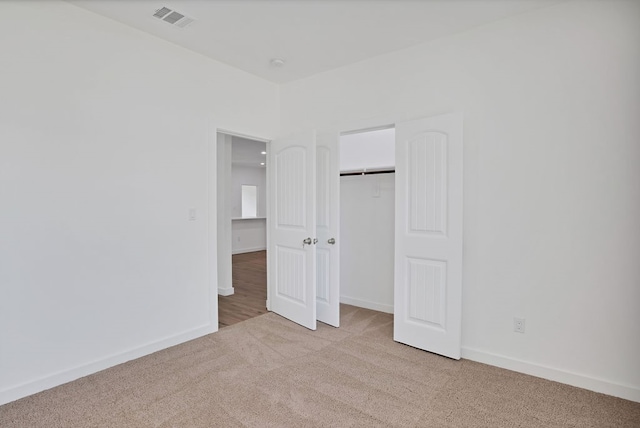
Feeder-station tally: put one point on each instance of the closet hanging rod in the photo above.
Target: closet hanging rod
(349, 173)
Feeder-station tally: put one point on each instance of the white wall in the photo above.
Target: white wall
(104, 135)
(367, 213)
(370, 150)
(248, 235)
(551, 102)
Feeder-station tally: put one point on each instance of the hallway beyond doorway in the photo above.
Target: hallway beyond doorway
(249, 272)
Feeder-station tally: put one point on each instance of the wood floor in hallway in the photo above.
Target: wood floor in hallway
(250, 289)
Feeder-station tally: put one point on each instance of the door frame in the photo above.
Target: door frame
(214, 196)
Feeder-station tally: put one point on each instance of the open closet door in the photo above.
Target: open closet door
(328, 223)
(428, 253)
(292, 228)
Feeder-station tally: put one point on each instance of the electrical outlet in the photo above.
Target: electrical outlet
(518, 325)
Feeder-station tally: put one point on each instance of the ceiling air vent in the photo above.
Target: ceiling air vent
(172, 17)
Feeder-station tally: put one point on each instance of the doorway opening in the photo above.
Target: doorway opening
(249, 274)
(367, 218)
(242, 228)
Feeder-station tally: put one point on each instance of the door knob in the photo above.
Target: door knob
(315, 241)
(331, 241)
(306, 242)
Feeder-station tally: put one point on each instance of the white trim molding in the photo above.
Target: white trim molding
(19, 391)
(212, 223)
(627, 392)
(226, 291)
(366, 304)
(248, 250)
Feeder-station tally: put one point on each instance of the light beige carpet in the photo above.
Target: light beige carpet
(268, 371)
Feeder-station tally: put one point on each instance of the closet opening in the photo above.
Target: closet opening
(242, 228)
(367, 218)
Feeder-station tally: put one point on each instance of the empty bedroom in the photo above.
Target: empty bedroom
(152, 150)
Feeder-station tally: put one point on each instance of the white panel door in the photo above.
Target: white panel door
(327, 227)
(292, 228)
(428, 253)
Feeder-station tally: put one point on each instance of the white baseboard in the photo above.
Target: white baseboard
(226, 291)
(367, 304)
(19, 391)
(248, 250)
(627, 392)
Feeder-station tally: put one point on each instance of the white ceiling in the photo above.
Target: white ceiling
(312, 36)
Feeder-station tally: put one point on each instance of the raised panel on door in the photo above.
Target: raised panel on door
(327, 228)
(291, 262)
(427, 182)
(428, 254)
(426, 296)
